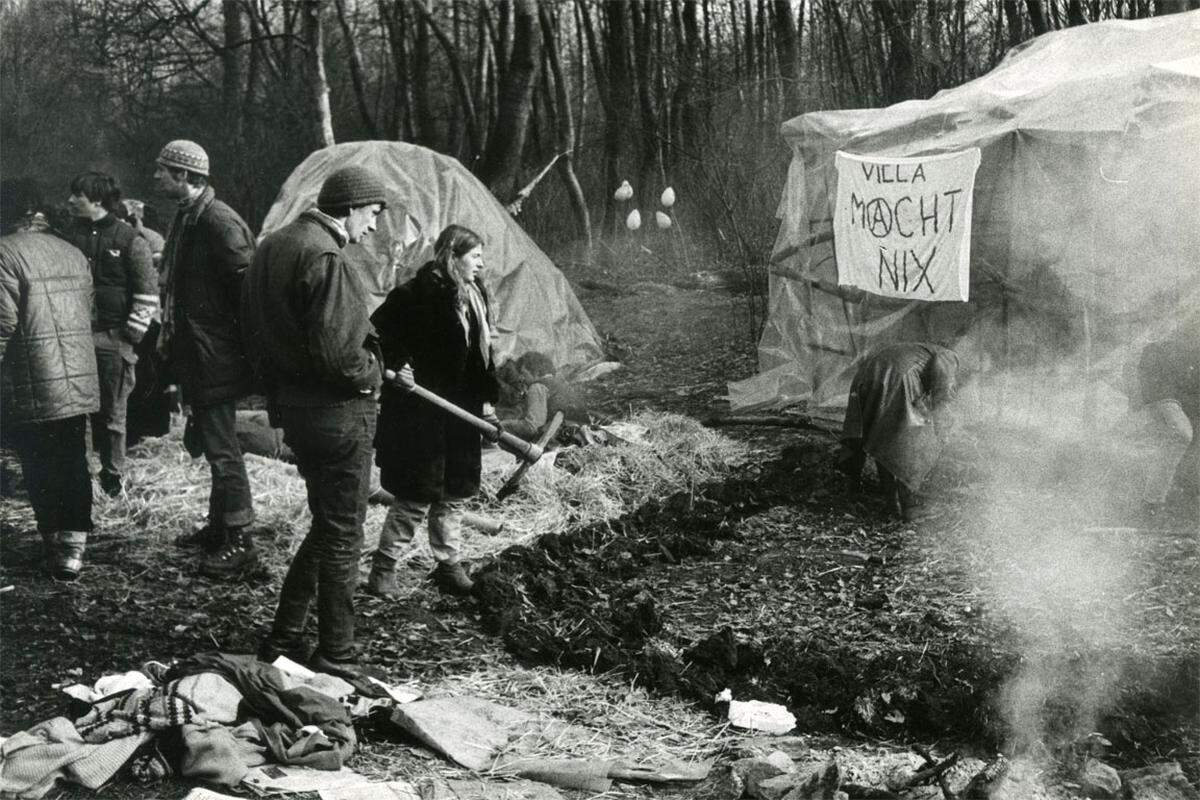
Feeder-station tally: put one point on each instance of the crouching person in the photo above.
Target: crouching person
(438, 323)
(1169, 378)
(544, 394)
(897, 414)
(48, 378)
(308, 334)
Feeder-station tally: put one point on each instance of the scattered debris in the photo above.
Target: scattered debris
(755, 715)
(1099, 781)
(273, 779)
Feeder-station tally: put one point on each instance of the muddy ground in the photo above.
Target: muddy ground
(773, 583)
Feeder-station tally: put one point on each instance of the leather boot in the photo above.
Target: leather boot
(68, 558)
(234, 560)
(452, 579)
(382, 582)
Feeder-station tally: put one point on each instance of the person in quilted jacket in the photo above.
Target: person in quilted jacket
(48, 378)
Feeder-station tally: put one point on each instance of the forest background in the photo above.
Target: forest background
(682, 93)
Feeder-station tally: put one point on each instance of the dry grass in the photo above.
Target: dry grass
(613, 720)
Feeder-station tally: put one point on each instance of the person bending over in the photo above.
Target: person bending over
(897, 414)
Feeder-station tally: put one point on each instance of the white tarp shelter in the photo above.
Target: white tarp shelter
(535, 306)
(1086, 227)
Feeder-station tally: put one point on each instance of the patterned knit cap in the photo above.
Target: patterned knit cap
(351, 187)
(183, 154)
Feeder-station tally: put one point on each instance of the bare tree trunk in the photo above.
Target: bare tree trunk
(1012, 16)
(396, 23)
(787, 48)
(422, 116)
(463, 87)
(843, 47)
(319, 115)
(232, 61)
(502, 161)
(898, 75)
(651, 155)
(565, 140)
(683, 109)
(357, 77)
(1075, 15)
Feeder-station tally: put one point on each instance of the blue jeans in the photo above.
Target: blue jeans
(334, 449)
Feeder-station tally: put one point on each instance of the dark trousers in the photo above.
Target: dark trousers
(54, 465)
(334, 448)
(115, 360)
(229, 502)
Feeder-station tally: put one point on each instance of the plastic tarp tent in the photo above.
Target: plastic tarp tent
(535, 306)
(1086, 233)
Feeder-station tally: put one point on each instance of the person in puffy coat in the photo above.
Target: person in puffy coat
(208, 249)
(48, 379)
(439, 323)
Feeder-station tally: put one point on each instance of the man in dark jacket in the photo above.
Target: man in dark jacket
(126, 297)
(48, 381)
(309, 336)
(205, 258)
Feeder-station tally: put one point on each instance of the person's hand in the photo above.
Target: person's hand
(402, 380)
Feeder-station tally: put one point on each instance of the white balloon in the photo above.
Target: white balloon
(634, 220)
(624, 191)
(662, 220)
(668, 197)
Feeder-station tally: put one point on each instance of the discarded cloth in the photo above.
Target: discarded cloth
(272, 697)
(32, 761)
(204, 699)
(220, 755)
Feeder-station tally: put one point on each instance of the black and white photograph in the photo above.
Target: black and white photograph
(600, 399)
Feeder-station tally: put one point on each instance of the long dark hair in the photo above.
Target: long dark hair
(455, 242)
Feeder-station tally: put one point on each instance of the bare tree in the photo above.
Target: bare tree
(565, 139)
(358, 77)
(502, 162)
(321, 118)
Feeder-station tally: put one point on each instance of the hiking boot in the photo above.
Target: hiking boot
(382, 582)
(452, 579)
(209, 538)
(233, 560)
(68, 555)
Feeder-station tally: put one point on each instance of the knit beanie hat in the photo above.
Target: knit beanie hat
(351, 187)
(183, 154)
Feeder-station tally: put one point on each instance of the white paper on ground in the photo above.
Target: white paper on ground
(392, 790)
(401, 694)
(200, 793)
(278, 779)
(756, 715)
(285, 664)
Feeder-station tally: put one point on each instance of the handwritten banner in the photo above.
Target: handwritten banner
(902, 225)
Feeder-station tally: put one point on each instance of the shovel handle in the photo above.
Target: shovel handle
(526, 451)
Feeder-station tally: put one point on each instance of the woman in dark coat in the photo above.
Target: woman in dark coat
(439, 323)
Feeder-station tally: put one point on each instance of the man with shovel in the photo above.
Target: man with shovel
(310, 340)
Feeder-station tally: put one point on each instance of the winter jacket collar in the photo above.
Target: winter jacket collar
(329, 223)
